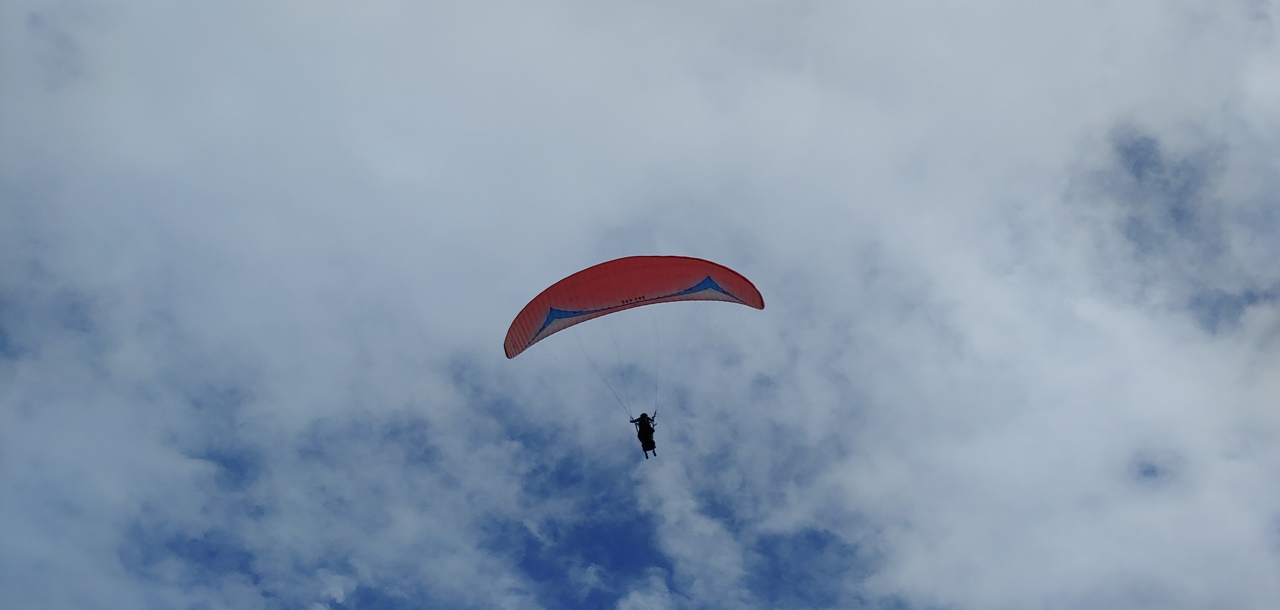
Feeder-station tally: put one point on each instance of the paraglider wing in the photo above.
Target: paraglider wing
(622, 284)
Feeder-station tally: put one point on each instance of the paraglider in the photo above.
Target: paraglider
(622, 284)
(644, 431)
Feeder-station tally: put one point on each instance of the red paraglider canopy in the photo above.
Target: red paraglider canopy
(625, 283)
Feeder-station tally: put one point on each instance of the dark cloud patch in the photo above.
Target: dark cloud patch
(219, 438)
(605, 536)
(1172, 234)
(73, 311)
(1139, 154)
(39, 315)
(1144, 469)
(799, 459)
(400, 439)
(622, 542)
(716, 504)
(753, 464)
(58, 52)
(499, 415)
(9, 349)
(894, 602)
(806, 569)
(604, 528)
(1164, 197)
(213, 554)
(215, 398)
(205, 558)
(764, 388)
(374, 598)
(1218, 310)
(596, 542)
(1274, 535)
(1150, 468)
(238, 467)
(413, 439)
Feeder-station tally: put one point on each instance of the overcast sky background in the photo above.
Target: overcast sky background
(1021, 346)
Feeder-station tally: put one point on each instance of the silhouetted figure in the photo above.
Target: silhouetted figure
(644, 431)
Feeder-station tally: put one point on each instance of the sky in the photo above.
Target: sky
(1021, 346)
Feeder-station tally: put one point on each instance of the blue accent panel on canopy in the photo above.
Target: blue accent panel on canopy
(706, 284)
(554, 314)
